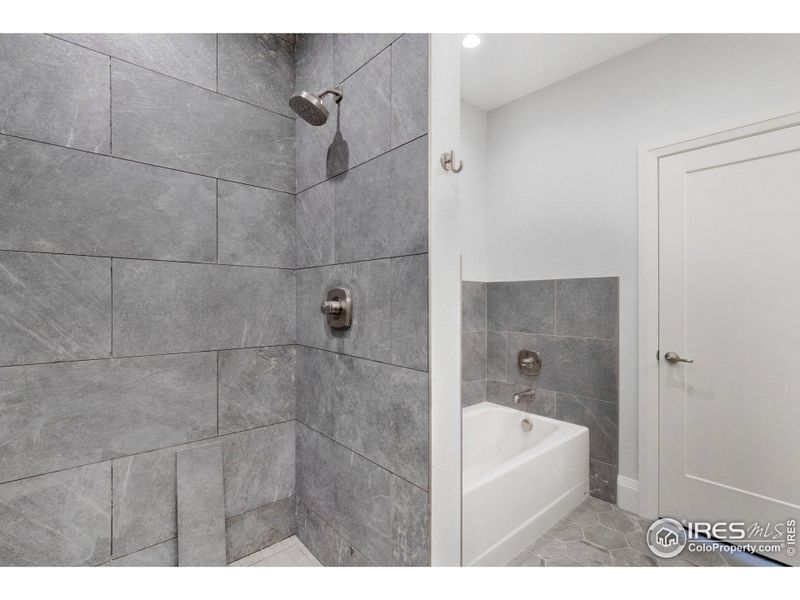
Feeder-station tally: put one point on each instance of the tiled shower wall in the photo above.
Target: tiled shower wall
(362, 394)
(147, 289)
(573, 323)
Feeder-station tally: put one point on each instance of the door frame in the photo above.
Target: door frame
(648, 284)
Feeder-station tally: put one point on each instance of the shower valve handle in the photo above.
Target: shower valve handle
(331, 307)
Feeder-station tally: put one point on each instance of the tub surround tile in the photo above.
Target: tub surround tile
(385, 517)
(57, 200)
(59, 519)
(190, 57)
(409, 118)
(473, 306)
(256, 529)
(497, 356)
(588, 307)
(57, 416)
(70, 86)
(473, 356)
(473, 392)
(256, 226)
(54, 308)
(165, 122)
(257, 68)
(314, 61)
(174, 307)
(603, 480)
(259, 467)
(600, 416)
(201, 513)
(164, 554)
(580, 366)
(256, 387)
(543, 404)
(521, 306)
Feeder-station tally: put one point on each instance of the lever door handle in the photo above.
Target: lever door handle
(674, 357)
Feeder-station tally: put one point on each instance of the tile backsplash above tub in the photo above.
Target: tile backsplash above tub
(574, 324)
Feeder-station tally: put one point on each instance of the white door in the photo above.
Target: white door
(729, 300)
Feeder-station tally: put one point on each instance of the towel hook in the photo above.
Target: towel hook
(448, 161)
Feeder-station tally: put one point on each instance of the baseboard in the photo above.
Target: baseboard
(628, 494)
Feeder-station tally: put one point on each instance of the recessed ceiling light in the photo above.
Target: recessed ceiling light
(471, 41)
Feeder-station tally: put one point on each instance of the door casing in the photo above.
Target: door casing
(648, 284)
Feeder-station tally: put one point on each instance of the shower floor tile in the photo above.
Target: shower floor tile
(287, 553)
(599, 534)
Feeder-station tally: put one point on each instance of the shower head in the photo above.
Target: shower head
(310, 108)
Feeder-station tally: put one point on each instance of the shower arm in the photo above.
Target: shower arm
(336, 91)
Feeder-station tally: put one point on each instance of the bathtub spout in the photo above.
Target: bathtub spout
(524, 395)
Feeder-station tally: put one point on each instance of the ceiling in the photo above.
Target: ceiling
(507, 66)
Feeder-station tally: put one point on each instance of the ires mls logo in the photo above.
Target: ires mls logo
(666, 538)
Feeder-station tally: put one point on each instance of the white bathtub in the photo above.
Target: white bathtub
(517, 484)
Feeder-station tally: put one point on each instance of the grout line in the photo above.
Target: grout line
(140, 162)
(380, 466)
(380, 362)
(158, 260)
(111, 269)
(216, 219)
(216, 65)
(194, 85)
(377, 156)
(111, 537)
(126, 356)
(355, 262)
(110, 112)
(113, 558)
(217, 380)
(211, 438)
(553, 335)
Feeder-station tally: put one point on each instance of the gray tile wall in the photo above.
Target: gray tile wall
(147, 290)
(361, 219)
(574, 324)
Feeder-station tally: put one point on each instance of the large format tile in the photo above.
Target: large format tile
(57, 519)
(144, 501)
(164, 554)
(603, 480)
(587, 307)
(371, 289)
(496, 356)
(327, 544)
(259, 528)
(409, 88)
(316, 388)
(201, 507)
(316, 225)
(54, 308)
(168, 307)
(166, 122)
(522, 306)
(58, 200)
(256, 387)
(314, 62)
(259, 467)
(191, 57)
(409, 330)
(256, 226)
(473, 392)
(473, 306)
(599, 416)
(383, 516)
(363, 116)
(54, 91)
(382, 206)
(381, 412)
(353, 50)
(473, 356)
(257, 68)
(581, 366)
(62, 415)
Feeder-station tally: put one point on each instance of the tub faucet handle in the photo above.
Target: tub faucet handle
(523, 395)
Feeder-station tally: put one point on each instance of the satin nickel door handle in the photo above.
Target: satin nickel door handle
(674, 357)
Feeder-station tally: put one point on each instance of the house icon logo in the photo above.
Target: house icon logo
(666, 538)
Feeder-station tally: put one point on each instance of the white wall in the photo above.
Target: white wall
(472, 192)
(562, 163)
